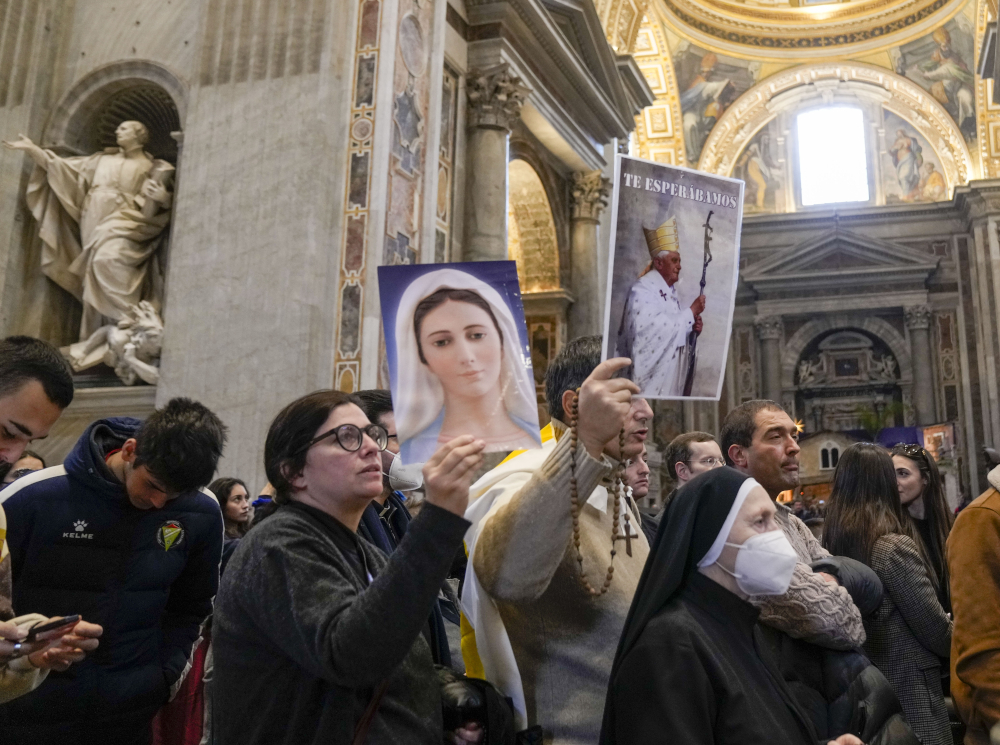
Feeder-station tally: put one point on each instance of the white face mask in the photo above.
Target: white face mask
(402, 478)
(764, 564)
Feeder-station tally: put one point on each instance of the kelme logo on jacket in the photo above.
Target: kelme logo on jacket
(170, 534)
(79, 526)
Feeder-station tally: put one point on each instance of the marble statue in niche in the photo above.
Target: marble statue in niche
(101, 219)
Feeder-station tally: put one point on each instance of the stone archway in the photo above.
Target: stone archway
(821, 82)
(847, 377)
(532, 240)
(85, 119)
(878, 327)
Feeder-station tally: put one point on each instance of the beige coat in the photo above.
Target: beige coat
(563, 639)
(17, 677)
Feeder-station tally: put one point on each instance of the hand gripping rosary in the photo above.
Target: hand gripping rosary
(617, 484)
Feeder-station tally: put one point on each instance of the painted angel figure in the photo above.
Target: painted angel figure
(101, 218)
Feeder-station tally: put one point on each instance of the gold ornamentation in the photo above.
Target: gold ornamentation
(664, 238)
(531, 230)
(830, 30)
(903, 97)
(655, 134)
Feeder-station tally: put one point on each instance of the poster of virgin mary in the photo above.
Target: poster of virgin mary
(458, 356)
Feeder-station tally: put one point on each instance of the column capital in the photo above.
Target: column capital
(495, 97)
(769, 327)
(590, 194)
(917, 316)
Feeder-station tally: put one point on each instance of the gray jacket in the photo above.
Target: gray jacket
(908, 635)
(302, 640)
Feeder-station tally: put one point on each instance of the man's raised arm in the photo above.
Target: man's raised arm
(523, 541)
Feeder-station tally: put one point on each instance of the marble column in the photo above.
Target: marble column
(590, 196)
(918, 322)
(769, 331)
(495, 100)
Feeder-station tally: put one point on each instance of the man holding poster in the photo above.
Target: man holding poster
(673, 326)
(653, 314)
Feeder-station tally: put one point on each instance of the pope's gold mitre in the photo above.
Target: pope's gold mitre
(664, 238)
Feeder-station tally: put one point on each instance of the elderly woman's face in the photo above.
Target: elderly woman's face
(755, 516)
(462, 347)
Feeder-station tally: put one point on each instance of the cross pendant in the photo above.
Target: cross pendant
(627, 537)
(663, 294)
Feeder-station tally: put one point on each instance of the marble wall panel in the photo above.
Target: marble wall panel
(256, 248)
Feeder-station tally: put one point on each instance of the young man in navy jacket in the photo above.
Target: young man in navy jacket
(124, 534)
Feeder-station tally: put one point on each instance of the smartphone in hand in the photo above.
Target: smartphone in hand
(57, 623)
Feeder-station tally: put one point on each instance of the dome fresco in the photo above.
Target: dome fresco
(703, 59)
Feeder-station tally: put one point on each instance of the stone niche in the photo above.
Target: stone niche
(85, 123)
(840, 375)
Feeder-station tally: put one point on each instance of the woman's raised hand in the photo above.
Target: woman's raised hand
(448, 474)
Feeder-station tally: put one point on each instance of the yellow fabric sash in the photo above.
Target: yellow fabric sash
(470, 652)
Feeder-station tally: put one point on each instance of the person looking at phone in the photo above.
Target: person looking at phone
(123, 534)
(35, 386)
(317, 634)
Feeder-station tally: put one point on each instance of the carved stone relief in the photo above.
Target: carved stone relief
(495, 97)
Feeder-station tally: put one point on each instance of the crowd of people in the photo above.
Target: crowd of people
(355, 598)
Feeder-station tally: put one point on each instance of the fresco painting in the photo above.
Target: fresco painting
(759, 166)
(911, 170)
(943, 64)
(709, 83)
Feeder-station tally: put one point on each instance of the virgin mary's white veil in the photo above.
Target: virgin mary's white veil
(418, 398)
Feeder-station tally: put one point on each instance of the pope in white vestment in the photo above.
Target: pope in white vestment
(655, 328)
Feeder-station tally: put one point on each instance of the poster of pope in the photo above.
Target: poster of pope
(674, 263)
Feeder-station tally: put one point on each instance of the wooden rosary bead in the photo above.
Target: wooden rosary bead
(618, 489)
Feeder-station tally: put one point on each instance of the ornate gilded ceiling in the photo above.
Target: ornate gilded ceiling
(814, 31)
(729, 75)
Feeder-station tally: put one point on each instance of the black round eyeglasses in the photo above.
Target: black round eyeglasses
(350, 437)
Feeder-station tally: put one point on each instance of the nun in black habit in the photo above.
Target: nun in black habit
(691, 666)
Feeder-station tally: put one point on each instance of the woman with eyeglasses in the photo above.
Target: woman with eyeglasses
(318, 633)
(909, 632)
(921, 492)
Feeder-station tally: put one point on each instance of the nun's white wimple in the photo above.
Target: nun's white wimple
(720, 540)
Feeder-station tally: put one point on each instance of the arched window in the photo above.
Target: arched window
(833, 158)
(829, 457)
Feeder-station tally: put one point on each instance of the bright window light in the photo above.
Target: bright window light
(833, 165)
